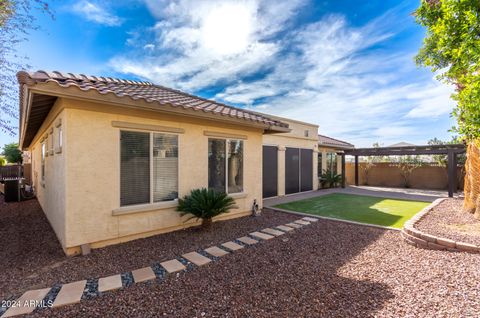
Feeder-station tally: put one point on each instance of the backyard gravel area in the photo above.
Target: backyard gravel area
(447, 220)
(326, 269)
(31, 256)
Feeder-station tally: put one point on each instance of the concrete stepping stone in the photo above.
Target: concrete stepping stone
(285, 228)
(302, 222)
(27, 302)
(309, 219)
(173, 266)
(70, 294)
(247, 240)
(232, 245)
(109, 283)
(216, 251)
(262, 236)
(273, 231)
(143, 274)
(294, 225)
(196, 258)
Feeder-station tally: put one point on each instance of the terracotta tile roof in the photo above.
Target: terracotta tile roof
(138, 90)
(329, 141)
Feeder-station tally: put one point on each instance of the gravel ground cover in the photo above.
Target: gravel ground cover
(31, 256)
(449, 221)
(327, 269)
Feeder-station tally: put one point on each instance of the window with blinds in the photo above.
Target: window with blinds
(149, 167)
(165, 167)
(225, 165)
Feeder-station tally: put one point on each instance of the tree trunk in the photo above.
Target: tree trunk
(472, 179)
(206, 223)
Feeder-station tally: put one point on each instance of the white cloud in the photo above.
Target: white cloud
(326, 72)
(95, 13)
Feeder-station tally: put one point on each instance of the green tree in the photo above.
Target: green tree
(2, 161)
(452, 48)
(12, 153)
(407, 164)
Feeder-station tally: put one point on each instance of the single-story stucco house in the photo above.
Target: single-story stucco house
(110, 157)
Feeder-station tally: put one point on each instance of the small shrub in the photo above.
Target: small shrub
(205, 204)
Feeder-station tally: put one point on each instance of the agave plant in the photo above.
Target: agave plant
(205, 204)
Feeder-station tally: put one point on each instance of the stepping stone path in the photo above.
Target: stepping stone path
(302, 222)
(72, 293)
(216, 251)
(197, 259)
(247, 240)
(285, 228)
(27, 303)
(143, 274)
(294, 225)
(109, 283)
(273, 231)
(173, 266)
(261, 235)
(232, 246)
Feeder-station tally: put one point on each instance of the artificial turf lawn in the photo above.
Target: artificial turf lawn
(359, 208)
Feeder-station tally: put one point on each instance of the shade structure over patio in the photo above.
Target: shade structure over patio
(451, 150)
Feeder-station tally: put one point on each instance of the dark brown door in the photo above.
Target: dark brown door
(270, 171)
(306, 169)
(292, 170)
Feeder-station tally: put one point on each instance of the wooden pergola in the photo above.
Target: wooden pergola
(451, 150)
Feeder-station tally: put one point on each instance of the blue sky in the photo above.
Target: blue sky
(347, 66)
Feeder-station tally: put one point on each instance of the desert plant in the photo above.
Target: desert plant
(329, 179)
(205, 204)
(407, 164)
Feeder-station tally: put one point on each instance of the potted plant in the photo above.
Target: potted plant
(205, 204)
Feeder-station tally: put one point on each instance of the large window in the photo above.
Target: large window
(332, 162)
(148, 168)
(225, 165)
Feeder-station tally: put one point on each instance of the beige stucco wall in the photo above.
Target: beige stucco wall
(295, 139)
(93, 179)
(52, 193)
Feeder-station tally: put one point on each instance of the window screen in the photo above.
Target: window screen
(134, 168)
(165, 167)
(216, 164)
(235, 166)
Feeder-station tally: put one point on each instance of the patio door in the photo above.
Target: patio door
(298, 170)
(270, 171)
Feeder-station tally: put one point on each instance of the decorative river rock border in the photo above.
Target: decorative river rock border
(424, 240)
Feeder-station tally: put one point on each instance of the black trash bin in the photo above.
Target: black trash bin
(12, 191)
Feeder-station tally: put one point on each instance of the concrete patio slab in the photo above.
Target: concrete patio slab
(285, 228)
(262, 236)
(216, 251)
(197, 259)
(232, 246)
(109, 283)
(273, 231)
(173, 266)
(27, 302)
(70, 294)
(247, 240)
(143, 274)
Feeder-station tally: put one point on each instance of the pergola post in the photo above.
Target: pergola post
(452, 172)
(344, 175)
(356, 170)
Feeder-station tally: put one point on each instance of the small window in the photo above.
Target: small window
(225, 173)
(51, 141)
(306, 133)
(148, 167)
(60, 138)
(42, 168)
